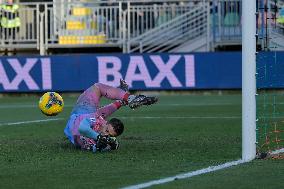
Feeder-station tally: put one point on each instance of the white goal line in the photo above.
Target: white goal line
(193, 173)
(185, 175)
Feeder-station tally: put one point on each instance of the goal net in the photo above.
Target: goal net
(270, 77)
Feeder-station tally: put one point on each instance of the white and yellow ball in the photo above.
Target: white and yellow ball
(51, 103)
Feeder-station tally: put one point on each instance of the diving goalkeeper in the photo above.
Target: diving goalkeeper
(87, 128)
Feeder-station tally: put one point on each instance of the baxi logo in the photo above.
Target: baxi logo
(13, 73)
(112, 65)
(78, 72)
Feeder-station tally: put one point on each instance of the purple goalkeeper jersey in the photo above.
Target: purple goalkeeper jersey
(87, 106)
(87, 103)
(72, 128)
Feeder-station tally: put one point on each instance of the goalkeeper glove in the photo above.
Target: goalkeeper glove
(106, 143)
(102, 142)
(113, 143)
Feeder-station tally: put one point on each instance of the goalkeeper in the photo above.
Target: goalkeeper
(87, 128)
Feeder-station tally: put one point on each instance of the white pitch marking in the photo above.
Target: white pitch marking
(193, 173)
(278, 151)
(185, 175)
(33, 121)
(199, 104)
(14, 106)
(181, 117)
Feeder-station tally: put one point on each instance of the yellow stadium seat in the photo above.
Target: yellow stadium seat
(75, 25)
(89, 39)
(93, 25)
(101, 39)
(81, 11)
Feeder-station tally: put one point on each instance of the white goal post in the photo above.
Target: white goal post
(248, 80)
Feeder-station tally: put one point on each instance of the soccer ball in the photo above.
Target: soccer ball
(51, 103)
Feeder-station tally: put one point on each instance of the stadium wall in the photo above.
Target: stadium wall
(184, 71)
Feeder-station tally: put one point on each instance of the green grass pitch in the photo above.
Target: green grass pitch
(181, 133)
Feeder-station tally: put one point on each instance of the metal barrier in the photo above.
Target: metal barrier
(188, 22)
(70, 25)
(271, 25)
(85, 19)
(25, 36)
(64, 25)
(226, 21)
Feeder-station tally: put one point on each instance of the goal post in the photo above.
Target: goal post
(248, 80)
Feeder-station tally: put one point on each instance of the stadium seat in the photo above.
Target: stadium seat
(81, 11)
(232, 19)
(280, 19)
(163, 18)
(75, 25)
(77, 40)
(80, 29)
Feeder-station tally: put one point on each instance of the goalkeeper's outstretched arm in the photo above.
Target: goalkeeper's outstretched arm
(103, 143)
(86, 130)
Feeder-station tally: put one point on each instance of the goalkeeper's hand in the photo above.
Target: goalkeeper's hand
(106, 143)
(102, 142)
(113, 143)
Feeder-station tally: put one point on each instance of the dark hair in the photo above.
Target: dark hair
(117, 125)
